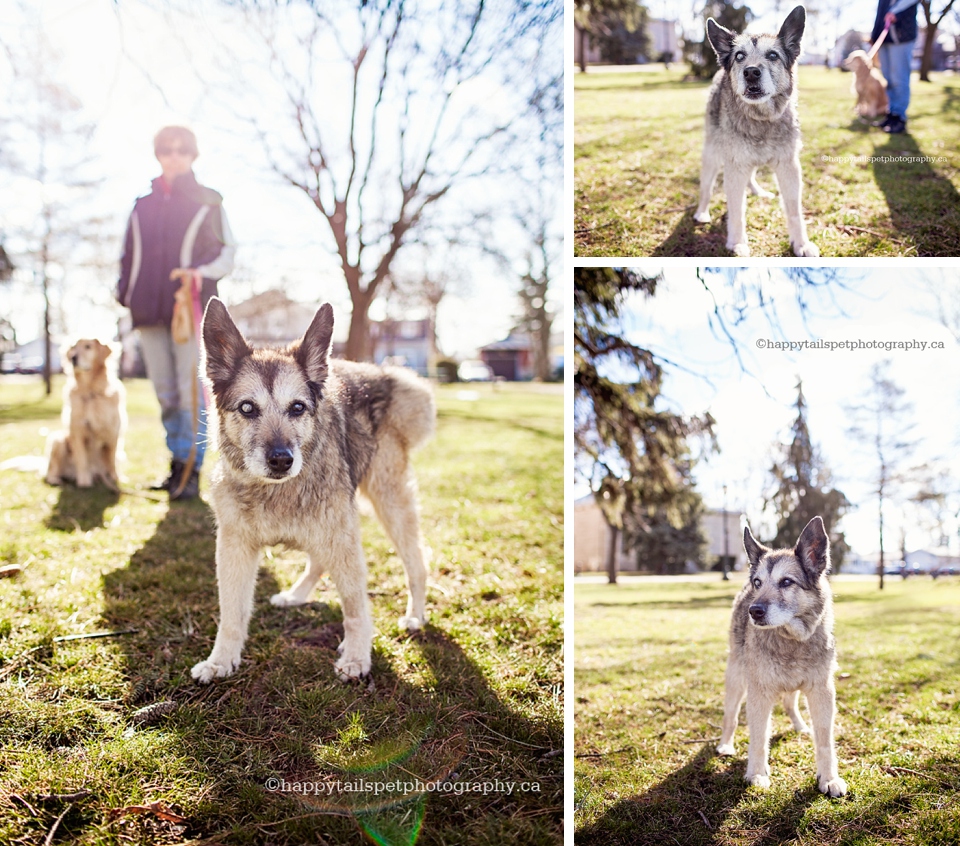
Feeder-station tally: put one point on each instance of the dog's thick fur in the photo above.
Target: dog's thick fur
(781, 644)
(751, 122)
(94, 419)
(299, 433)
(868, 84)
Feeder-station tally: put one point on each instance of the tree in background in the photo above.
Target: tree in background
(596, 19)
(633, 454)
(46, 156)
(408, 130)
(699, 54)
(881, 427)
(803, 490)
(933, 21)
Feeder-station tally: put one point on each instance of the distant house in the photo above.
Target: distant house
(406, 342)
(720, 542)
(512, 358)
(272, 319)
(591, 539)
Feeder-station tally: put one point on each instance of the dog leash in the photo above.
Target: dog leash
(879, 42)
(189, 291)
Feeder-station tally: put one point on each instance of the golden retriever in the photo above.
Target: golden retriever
(94, 419)
(868, 84)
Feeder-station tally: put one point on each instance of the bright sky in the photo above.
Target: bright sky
(283, 239)
(896, 304)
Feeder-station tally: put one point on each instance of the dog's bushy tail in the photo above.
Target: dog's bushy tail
(413, 411)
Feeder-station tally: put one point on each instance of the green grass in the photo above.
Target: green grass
(473, 700)
(650, 658)
(638, 139)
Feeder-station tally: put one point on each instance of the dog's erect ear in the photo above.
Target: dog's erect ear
(791, 33)
(755, 551)
(314, 348)
(813, 548)
(721, 39)
(223, 345)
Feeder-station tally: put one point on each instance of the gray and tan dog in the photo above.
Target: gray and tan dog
(752, 122)
(781, 645)
(299, 434)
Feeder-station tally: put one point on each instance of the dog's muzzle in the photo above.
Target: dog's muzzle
(758, 613)
(752, 76)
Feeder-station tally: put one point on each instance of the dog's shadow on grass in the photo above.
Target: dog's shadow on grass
(690, 806)
(80, 508)
(438, 720)
(924, 205)
(708, 240)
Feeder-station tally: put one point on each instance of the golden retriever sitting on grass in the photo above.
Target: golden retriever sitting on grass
(868, 84)
(94, 418)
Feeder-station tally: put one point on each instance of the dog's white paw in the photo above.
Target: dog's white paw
(287, 599)
(833, 788)
(761, 781)
(740, 250)
(206, 671)
(806, 250)
(84, 481)
(352, 668)
(411, 624)
(803, 728)
(725, 749)
(702, 217)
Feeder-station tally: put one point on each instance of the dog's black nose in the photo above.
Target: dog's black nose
(758, 612)
(752, 74)
(280, 459)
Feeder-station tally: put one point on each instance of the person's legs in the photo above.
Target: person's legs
(193, 413)
(895, 65)
(156, 347)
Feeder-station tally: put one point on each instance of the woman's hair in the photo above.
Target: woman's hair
(171, 135)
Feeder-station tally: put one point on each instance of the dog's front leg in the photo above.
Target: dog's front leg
(759, 708)
(81, 458)
(237, 563)
(790, 180)
(349, 572)
(735, 181)
(735, 689)
(709, 170)
(821, 700)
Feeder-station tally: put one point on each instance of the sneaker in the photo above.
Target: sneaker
(884, 121)
(896, 126)
(173, 478)
(191, 490)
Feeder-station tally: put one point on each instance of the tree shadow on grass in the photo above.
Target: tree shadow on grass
(924, 205)
(689, 807)
(283, 716)
(80, 508)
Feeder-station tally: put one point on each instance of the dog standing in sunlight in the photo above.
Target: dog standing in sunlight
(299, 434)
(781, 645)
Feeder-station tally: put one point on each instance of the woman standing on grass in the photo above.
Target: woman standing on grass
(177, 231)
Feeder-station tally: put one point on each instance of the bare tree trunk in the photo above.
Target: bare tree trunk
(584, 42)
(612, 555)
(926, 60)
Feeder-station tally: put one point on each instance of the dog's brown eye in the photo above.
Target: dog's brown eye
(786, 583)
(297, 408)
(757, 583)
(247, 409)
(740, 55)
(772, 56)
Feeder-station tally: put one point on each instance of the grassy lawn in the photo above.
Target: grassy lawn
(638, 139)
(423, 753)
(650, 659)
